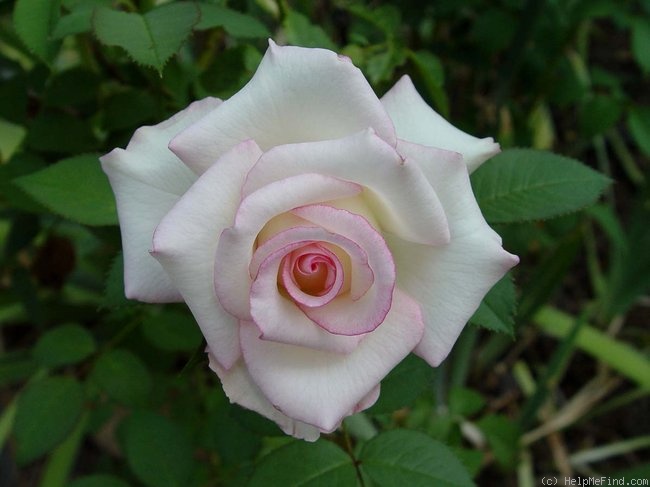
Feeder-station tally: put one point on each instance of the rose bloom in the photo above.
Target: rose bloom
(317, 233)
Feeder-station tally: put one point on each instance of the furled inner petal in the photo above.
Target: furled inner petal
(344, 315)
(277, 315)
(357, 274)
(236, 244)
(312, 275)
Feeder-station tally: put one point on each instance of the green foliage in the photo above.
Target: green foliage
(151, 38)
(400, 457)
(47, 411)
(98, 481)
(497, 308)
(158, 451)
(301, 32)
(321, 463)
(171, 331)
(123, 376)
(641, 43)
(236, 24)
(133, 401)
(91, 202)
(63, 345)
(33, 21)
(524, 184)
(403, 385)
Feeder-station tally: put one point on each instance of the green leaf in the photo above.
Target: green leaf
(641, 43)
(123, 376)
(238, 25)
(301, 32)
(619, 355)
(11, 136)
(79, 19)
(400, 457)
(33, 21)
(503, 437)
(114, 290)
(172, 331)
(66, 344)
(305, 464)
(98, 481)
(497, 308)
(403, 385)
(47, 412)
(465, 402)
(638, 122)
(599, 113)
(527, 184)
(432, 74)
(61, 461)
(150, 39)
(129, 109)
(62, 133)
(157, 450)
(75, 188)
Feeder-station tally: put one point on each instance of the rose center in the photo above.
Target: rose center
(312, 275)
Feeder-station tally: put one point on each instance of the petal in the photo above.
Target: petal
(398, 193)
(321, 388)
(235, 249)
(296, 95)
(278, 318)
(361, 277)
(241, 390)
(449, 281)
(148, 179)
(345, 315)
(185, 243)
(415, 121)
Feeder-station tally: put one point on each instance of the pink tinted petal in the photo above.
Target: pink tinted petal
(321, 388)
(235, 249)
(296, 95)
(415, 121)
(325, 261)
(361, 277)
(185, 243)
(280, 320)
(396, 190)
(241, 390)
(344, 315)
(449, 281)
(148, 179)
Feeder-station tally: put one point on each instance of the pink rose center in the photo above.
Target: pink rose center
(312, 275)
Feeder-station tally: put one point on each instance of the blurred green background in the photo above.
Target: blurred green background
(553, 375)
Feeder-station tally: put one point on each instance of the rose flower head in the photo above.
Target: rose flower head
(317, 233)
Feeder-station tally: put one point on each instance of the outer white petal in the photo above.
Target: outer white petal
(147, 179)
(417, 122)
(449, 281)
(296, 95)
(321, 388)
(186, 239)
(241, 390)
(395, 189)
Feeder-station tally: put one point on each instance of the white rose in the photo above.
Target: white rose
(317, 233)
